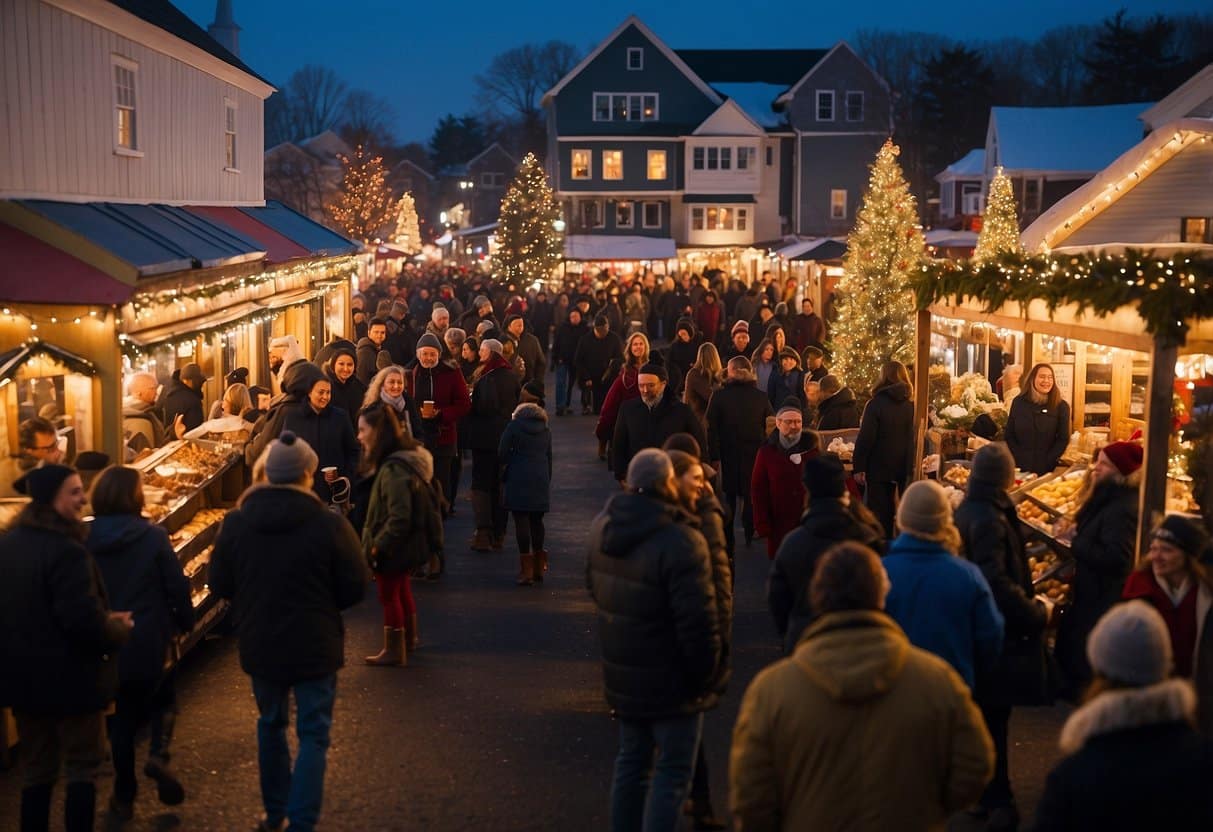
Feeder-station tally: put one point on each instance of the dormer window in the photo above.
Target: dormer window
(635, 58)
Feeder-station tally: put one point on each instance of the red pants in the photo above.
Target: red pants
(396, 596)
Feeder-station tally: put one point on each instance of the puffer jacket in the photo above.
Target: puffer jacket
(838, 412)
(494, 396)
(650, 576)
(525, 452)
(884, 449)
(711, 525)
(400, 529)
(737, 427)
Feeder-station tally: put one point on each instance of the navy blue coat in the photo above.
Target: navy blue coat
(525, 452)
(142, 575)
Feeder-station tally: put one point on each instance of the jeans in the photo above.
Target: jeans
(648, 796)
(293, 795)
(564, 390)
(139, 701)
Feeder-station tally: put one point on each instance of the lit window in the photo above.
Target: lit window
(625, 106)
(1195, 230)
(126, 135)
(854, 106)
(623, 214)
(657, 164)
(838, 204)
(612, 164)
(229, 135)
(635, 58)
(825, 105)
(649, 113)
(581, 164)
(652, 215)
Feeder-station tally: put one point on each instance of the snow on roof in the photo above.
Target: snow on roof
(1081, 139)
(756, 100)
(972, 163)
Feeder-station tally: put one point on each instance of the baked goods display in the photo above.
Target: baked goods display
(1042, 564)
(1036, 516)
(957, 475)
(1060, 494)
(198, 563)
(1055, 590)
(844, 449)
(197, 524)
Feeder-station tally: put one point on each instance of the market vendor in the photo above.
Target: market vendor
(1038, 428)
(38, 443)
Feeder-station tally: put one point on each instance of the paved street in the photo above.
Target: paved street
(498, 723)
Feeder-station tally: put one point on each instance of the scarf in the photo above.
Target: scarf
(397, 404)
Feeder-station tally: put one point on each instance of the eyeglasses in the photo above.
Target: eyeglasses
(49, 447)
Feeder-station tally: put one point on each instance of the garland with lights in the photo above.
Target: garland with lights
(528, 245)
(344, 267)
(999, 223)
(1167, 292)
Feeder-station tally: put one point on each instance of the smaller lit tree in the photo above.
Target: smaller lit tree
(407, 234)
(364, 209)
(999, 224)
(528, 245)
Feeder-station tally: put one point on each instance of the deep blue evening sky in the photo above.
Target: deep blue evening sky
(422, 56)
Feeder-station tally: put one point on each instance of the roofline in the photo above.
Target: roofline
(424, 172)
(1185, 96)
(487, 149)
(108, 16)
(758, 127)
(953, 176)
(670, 54)
(842, 44)
(1092, 198)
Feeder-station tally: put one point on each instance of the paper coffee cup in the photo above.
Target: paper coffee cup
(428, 403)
(329, 469)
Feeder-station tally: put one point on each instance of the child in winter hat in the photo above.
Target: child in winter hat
(925, 513)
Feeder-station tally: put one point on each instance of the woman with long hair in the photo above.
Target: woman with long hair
(348, 391)
(1038, 427)
(401, 526)
(884, 450)
(230, 421)
(703, 379)
(469, 357)
(525, 451)
(763, 361)
(388, 386)
(625, 387)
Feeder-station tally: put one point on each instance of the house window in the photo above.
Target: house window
(229, 135)
(1031, 196)
(745, 158)
(494, 179)
(697, 219)
(602, 107)
(697, 157)
(719, 218)
(657, 164)
(713, 158)
(726, 158)
(624, 212)
(609, 106)
(652, 215)
(126, 134)
(612, 164)
(635, 58)
(770, 156)
(591, 213)
(825, 105)
(838, 204)
(970, 198)
(854, 106)
(743, 216)
(581, 164)
(1195, 230)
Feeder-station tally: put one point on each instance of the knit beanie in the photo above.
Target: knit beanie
(289, 459)
(1131, 645)
(648, 468)
(492, 344)
(480, 302)
(687, 324)
(993, 465)
(1126, 456)
(1182, 534)
(430, 340)
(510, 319)
(42, 484)
(652, 369)
(824, 476)
(483, 327)
(740, 326)
(925, 512)
(788, 352)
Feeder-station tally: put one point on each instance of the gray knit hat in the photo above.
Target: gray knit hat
(483, 327)
(648, 468)
(1131, 645)
(430, 340)
(480, 302)
(288, 459)
(994, 465)
(492, 344)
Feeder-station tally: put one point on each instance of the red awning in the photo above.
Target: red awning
(32, 271)
(278, 247)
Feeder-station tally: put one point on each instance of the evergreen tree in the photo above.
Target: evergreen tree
(528, 245)
(954, 98)
(875, 304)
(999, 223)
(364, 210)
(407, 234)
(1129, 62)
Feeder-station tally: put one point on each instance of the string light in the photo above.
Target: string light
(365, 207)
(999, 224)
(407, 234)
(529, 246)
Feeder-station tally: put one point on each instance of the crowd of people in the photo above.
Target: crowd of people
(910, 629)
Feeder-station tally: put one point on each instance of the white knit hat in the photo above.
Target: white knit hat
(1131, 645)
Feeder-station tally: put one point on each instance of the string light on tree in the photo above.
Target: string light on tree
(529, 246)
(999, 224)
(365, 207)
(407, 234)
(876, 314)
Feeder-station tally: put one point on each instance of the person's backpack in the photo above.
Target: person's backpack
(430, 502)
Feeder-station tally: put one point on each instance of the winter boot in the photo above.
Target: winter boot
(392, 654)
(168, 787)
(36, 807)
(482, 540)
(411, 640)
(540, 566)
(80, 807)
(526, 570)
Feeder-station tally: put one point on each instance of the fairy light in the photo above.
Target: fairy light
(365, 207)
(529, 244)
(999, 224)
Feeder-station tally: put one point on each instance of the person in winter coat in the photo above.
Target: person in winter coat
(854, 704)
(883, 461)
(542, 318)
(1103, 547)
(564, 356)
(390, 386)
(777, 484)
(184, 398)
(347, 389)
(327, 431)
(403, 528)
(469, 358)
(833, 517)
(532, 353)
(703, 379)
(1173, 580)
(787, 381)
(814, 363)
(369, 349)
(289, 566)
(142, 575)
(989, 534)
(444, 402)
(1038, 427)
(684, 350)
(943, 602)
(592, 359)
(709, 316)
(763, 361)
(738, 343)
(836, 409)
(623, 389)
(525, 451)
(650, 575)
(737, 427)
(58, 643)
(808, 330)
(297, 384)
(1133, 759)
(495, 392)
(646, 422)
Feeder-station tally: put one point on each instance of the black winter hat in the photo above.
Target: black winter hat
(993, 465)
(652, 369)
(825, 476)
(41, 484)
(1184, 534)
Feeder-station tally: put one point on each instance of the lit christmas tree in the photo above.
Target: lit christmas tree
(528, 245)
(407, 234)
(365, 207)
(999, 224)
(875, 304)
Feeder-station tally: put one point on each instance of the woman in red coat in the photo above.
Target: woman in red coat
(708, 316)
(776, 487)
(623, 388)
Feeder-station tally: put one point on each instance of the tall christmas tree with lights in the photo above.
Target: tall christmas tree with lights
(875, 304)
(529, 244)
(999, 224)
(365, 207)
(407, 234)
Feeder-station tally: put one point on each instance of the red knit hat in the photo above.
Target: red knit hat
(1126, 456)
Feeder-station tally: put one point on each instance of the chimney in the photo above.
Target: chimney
(224, 29)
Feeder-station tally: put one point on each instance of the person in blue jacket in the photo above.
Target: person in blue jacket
(942, 601)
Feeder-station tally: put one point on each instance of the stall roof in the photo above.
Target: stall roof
(278, 247)
(618, 247)
(13, 359)
(155, 239)
(823, 250)
(32, 271)
(313, 236)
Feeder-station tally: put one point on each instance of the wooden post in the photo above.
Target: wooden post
(1153, 497)
(922, 393)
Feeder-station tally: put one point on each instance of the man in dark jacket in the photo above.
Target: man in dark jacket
(564, 355)
(836, 409)
(369, 348)
(884, 451)
(58, 646)
(184, 398)
(651, 579)
(495, 394)
(737, 427)
(531, 352)
(541, 318)
(650, 420)
(808, 330)
(829, 520)
(289, 566)
(594, 356)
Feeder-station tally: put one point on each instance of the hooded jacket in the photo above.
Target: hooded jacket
(525, 452)
(400, 524)
(495, 394)
(824, 738)
(777, 487)
(649, 575)
(141, 427)
(289, 566)
(368, 357)
(838, 412)
(884, 449)
(737, 427)
(298, 382)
